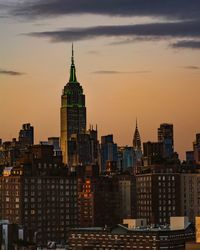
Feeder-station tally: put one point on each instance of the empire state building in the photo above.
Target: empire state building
(72, 112)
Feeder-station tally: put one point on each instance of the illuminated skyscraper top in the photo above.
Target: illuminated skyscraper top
(73, 111)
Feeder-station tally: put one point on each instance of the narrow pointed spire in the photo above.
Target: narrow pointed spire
(73, 68)
(72, 58)
(136, 138)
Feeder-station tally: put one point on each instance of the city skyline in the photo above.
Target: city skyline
(131, 63)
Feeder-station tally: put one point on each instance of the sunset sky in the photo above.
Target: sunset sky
(134, 58)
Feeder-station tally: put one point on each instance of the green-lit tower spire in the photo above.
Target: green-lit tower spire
(73, 112)
(72, 77)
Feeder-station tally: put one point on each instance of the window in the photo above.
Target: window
(32, 211)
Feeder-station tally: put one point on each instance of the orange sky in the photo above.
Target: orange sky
(143, 79)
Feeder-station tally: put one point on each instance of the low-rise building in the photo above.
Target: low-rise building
(125, 237)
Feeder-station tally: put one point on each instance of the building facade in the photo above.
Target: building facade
(84, 148)
(40, 195)
(98, 201)
(152, 153)
(125, 159)
(123, 237)
(166, 136)
(108, 151)
(190, 195)
(26, 135)
(158, 194)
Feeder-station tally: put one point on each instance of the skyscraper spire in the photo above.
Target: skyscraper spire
(72, 77)
(137, 147)
(72, 58)
(136, 138)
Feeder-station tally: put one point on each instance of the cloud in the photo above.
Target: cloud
(139, 31)
(192, 67)
(4, 9)
(177, 9)
(124, 41)
(180, 19)
(120, 72)
(4, 5)
(10, 72)
(186, 44)
(93, 52)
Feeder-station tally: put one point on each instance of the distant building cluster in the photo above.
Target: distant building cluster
(77, 192)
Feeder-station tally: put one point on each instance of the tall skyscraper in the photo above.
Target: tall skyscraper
(137, 149)
(166, 136)
(73, 111)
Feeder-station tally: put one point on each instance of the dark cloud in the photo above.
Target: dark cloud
(7, 6)
(192, 67)
(186, 44)
(139, 31)
(123, 41)
(181, 9)
(10, 72)
(182, 19)
(4, 6)
(4, 9)
(120, 72)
